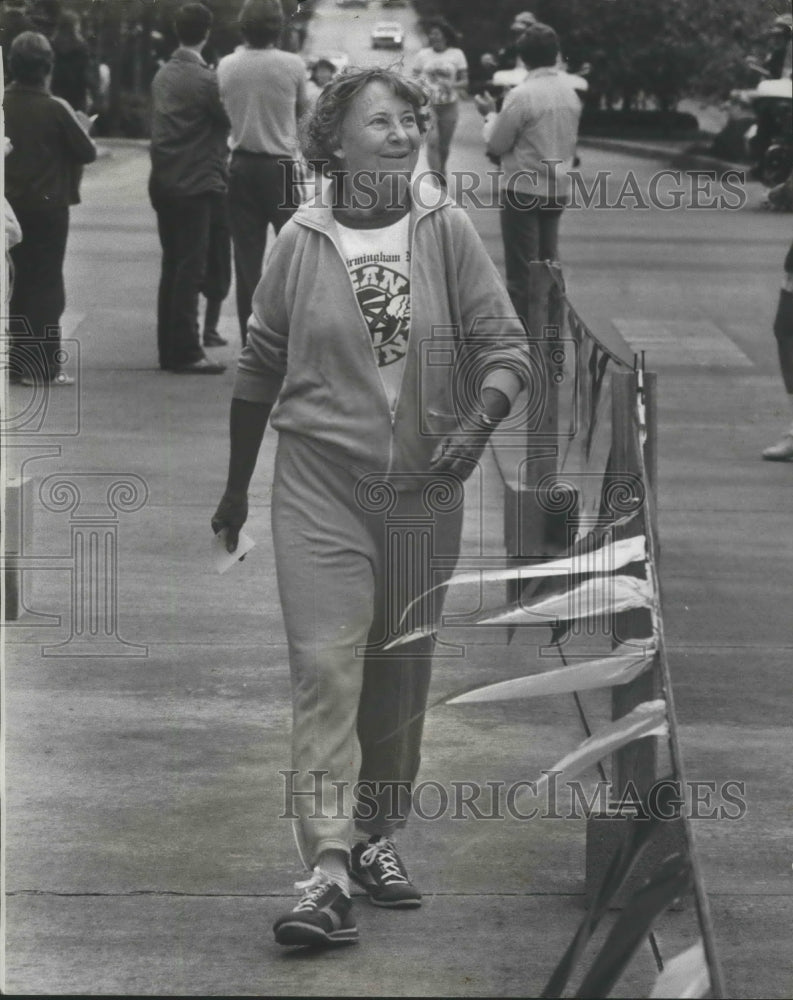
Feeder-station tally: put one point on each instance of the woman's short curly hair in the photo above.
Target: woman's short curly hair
(320, 130)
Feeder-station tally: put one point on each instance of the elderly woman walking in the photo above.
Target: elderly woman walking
(372, 436)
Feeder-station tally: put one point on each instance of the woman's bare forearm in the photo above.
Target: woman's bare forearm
(247, 423)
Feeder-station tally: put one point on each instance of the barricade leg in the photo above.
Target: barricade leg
(17, 538)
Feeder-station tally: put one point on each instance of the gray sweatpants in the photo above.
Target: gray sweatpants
(351, 553)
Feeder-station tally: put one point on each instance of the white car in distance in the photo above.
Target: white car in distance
(388, 35)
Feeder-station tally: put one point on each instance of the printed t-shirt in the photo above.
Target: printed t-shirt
(378, 261)
(438, 70)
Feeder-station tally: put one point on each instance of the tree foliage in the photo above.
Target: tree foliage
(658, 49)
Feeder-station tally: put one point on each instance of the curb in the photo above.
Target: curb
(679, 156)
(106, 144)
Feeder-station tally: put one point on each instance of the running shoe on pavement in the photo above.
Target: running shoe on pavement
(378, 868)
(322, 917)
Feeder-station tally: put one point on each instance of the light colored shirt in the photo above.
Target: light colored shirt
(535, 134)
(440, 72)
(264, 93)
(379, 264)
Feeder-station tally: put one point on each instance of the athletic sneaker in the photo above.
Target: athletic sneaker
(378, 868)
(322, 917)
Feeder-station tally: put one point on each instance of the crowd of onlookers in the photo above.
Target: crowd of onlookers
(225, 161)
(76, 76)
(332, 357)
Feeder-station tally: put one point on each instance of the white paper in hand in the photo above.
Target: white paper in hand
(225, 560)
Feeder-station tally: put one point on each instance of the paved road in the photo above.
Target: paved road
(348, 30)
(143, 854)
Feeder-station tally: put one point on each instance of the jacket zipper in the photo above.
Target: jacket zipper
(391, 409)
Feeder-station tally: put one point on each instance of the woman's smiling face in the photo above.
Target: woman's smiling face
(379, 134)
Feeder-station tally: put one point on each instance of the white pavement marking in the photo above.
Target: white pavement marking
(682, 343)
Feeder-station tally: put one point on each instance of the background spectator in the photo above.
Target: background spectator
(264, 92)
(14, 19)
(50, 143)
(782, 450)
(443, 69)
(74, 76)
(45, 15)
(507, 57)
(535, 136)
(322, 72)
(187, 186)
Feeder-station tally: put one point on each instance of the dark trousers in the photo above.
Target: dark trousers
(262, 190)
(783, 331)
(39, 296)
(217, 276)
(185, 226)
(530, 231)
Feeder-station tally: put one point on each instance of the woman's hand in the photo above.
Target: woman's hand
(247, 423)
(460, 454)
(231, 514)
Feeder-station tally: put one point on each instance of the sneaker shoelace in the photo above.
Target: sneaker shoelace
(384, 853)
(312, 889)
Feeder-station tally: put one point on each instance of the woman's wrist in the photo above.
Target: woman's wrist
(236, 492)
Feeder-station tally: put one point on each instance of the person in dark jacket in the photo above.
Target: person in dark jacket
(73, 76)
(14, 19)
(45, 15)
(187, 186)
(50, 143)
